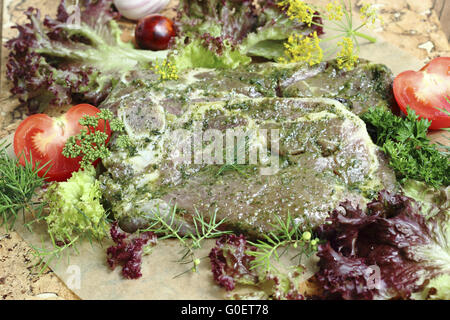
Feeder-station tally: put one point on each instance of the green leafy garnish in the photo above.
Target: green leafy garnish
(307, 48)
(410, 151)
(17, 187)
(286, 235)
(170, 227)
(445, 111)
(46, 256)
(90, 143)
(75, 208)
(74, 214)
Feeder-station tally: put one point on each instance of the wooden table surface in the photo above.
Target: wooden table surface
(412, 25)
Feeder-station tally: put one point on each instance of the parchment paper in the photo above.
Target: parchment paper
(89, 276)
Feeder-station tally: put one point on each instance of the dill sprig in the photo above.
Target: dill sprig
(46, 256)
(446, 112)
(306, 48)
(240, 168)
(286, 235)
(17, 187)
(203, 229)
(234, 164)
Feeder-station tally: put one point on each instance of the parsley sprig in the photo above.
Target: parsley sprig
(407, 146)
(91, 144)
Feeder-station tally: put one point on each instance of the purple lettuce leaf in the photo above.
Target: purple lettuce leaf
(231, 265)
(128, 251)
(230, 262)
(74, 57)
(390, 252)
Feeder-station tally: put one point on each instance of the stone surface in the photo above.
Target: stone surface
(410, 24)
(20, 279)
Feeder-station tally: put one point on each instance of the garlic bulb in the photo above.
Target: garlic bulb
(136, 9)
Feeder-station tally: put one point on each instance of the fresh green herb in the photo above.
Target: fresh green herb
(75, 209)
(17, 187)
(445, 111)
(90, 143)
(166, 70)
(204, 229)
(46, 256)
(306, 48)
(285, 235)
(234, 165)
(74, 214)
(410, 152)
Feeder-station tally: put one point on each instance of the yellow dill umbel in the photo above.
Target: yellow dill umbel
(346, 58)
(369, 14)
(298, 10)
(166, 70)
(335, 11)
(300, 48)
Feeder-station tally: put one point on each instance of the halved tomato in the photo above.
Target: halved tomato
(425, 91)
(41, 139)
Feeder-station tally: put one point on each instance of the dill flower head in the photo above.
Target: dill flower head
(298, 10)
(346, 58)
(166, 70)
(335, 11)
(300, 48)
(369, 14)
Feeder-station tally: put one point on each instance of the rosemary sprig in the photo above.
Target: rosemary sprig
(286, 235)
(17, 187)
(192, 240)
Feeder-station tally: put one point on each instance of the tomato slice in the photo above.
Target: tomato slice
(40, 139)
(425, 90)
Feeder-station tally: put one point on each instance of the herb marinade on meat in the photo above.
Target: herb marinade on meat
(326, 154)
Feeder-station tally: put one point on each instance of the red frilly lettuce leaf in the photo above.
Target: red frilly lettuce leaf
(77, 56)
(231, 265)
(128, 251)
(387, 253)
(230, 262)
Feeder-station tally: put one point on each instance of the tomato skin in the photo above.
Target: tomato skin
(41, 139)
(425, 90)
(154, 32)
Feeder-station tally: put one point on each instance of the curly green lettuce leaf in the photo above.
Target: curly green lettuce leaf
(75, 208)
(226, 34)
(196, 55)
(73, 57)
(437, 289)
(432, 200)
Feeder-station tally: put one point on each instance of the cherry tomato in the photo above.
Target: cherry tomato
(425, 90)
(154, 32)
(41, 139)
